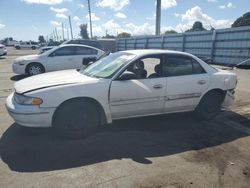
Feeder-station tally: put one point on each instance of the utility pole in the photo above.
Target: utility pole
(62, 32)
(70, 28)
(158, 18)
(56, 34)
(90, 21)
(68, 33)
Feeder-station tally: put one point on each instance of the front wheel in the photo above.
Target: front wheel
(76, 119)
(34, 69)
(209, 106)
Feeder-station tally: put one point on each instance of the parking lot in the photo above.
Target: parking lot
(161, 151)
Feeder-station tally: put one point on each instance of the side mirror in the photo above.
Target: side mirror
(127, 75)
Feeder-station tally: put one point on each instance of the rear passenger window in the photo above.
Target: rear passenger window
(85, 51)
(177, 66)
(64, 51)
(180, 66)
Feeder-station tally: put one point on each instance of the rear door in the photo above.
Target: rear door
(186, 82)
(84, 55)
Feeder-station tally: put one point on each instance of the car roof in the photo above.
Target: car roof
(141, 52)
(79, 45)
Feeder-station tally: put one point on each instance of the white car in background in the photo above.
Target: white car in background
(3, 50)
(62, 57)
(122, 85)
(29, 44)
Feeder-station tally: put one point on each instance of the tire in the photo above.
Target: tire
(33, 47)
(76, 119)
(209, 106)
(34, 69)
(18, 47)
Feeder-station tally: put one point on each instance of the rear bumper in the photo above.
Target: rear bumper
(228, 100)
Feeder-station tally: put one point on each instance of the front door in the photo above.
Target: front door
(61, 59)
(142, 95)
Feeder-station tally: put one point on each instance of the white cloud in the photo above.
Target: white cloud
(222, 6)
(34, 27)
(177, 15)
(112, 27)
(81, 5)
(97, 29)
(61, 15)
(59, 10)
(212, 1)
(196, 14)
(166, 28)
(76, 18)
(120, 15)
(151, 17)
(2, 26)
(165, 4)
(144, 29)
(93, 17)
(113, 4)
(55, 23)
(229, 5)
(47, 2)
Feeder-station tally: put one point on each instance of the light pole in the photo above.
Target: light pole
(90, 21)
(158, 18)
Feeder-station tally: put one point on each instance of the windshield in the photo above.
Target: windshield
(108, 66)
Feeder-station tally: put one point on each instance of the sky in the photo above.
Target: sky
(27, 19)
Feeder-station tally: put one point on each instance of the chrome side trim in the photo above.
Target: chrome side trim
(183, 96)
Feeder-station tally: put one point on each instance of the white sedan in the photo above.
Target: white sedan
(3, 50)
(122, 85)
(63, 57)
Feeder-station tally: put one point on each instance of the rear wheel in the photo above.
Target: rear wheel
(76, 119)
(34, 69)
(33, 47)
(209, 106)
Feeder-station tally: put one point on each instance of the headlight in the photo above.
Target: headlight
(19, 62)
(22, 99)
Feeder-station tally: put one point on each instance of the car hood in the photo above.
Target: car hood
(51, 79)
(28, 58)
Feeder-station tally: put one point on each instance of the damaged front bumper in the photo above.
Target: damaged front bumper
(229, 99)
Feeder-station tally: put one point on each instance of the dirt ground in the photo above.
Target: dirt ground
(162, 151)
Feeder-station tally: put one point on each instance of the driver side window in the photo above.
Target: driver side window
(146, 67)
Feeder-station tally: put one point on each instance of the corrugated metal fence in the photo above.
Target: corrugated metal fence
(224, 46)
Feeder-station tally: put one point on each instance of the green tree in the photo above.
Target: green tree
(197, 26)
(84, 31)
(242, 21)
(124, 35)
(41, 39)
(171, 31)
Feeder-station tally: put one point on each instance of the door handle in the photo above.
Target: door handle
(201, 82)
(158, 86)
